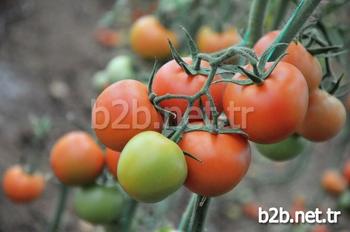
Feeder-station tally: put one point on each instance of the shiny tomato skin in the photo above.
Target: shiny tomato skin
(111, 160)
(151, 167)
(76, 159)
(22, 187)
(224, 160)
(210, 41)
(172, 79)
(325, 117)
(98, 204)
(121, 111)
(298, 56)
(275, 108)
(149, 38)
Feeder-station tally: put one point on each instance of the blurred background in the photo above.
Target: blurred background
(51, 53)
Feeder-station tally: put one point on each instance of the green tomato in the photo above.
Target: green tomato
(100, 80)
(344, 201)
(151, 167)
(98, 204)
(119, 68)
(284, 150)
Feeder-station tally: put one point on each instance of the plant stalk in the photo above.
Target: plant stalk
(279, 13)
(128, 215)
(255, 23)
(186, 218)
(199, 214)
(303, 11)
(61, 204)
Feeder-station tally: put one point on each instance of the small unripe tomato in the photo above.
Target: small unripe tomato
(210, 41)
(298, 56)
(284, 150)
(223, 161)
(333, 182)
(112, 159)
(346, 171)
(123, 110)
(344, 201)
(22, 187)
(76, 159)
(149, 38)
(324, 119)
(151, 167)
(98, 204)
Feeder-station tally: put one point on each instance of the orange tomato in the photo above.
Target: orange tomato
(112, 159)
(210, 41)
(271, 111)
(122, 111)
(333, 182)
(346, 171)
(298, 56)
(224, 161)
(325, 117)
(22, 187)
(149, 38)
(76, 159)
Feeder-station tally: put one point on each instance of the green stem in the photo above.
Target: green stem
(186, 218)
(128, 215)
(199, 214)
(293, 26)
(255, 23)
(279, 12)
(55, 223)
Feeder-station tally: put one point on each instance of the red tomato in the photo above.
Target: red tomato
(211, 41)
(149, 38)
(346, 171)
(298, 56)
(251, 210)
(271, 111)
(76, 159)
(172, 79)
(320, 228)
(111, 159)
(123, 110)
(297, 205)
(225, 159)
(333, 182)
(22, 187)
(325, 117)
(107, 37)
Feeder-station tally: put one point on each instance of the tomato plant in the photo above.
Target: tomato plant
(172, 79)
(111, 160)
(333, 182)
(298, 56)
(151, 167)
(98, 204)
(76, 159)
(209, 40)
(121, 111)
(284, 150)
(223, 160)
(275, 97)
(20, 186)
(325, 117)
(149, 38)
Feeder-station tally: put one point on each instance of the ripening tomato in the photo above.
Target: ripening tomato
(333, 182)
(121, 111)
(98, 204)
(325, 117)
(224, 160)
(251, 210)
(22, 187)
(151, 167)
(172, 79)
(209, 40)
(76, 159)
(346, 171)
(320, 228)
(112, 159)
(271, 111)
(298, 56)
(149, 38)
(107, 37)
(285, 150)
